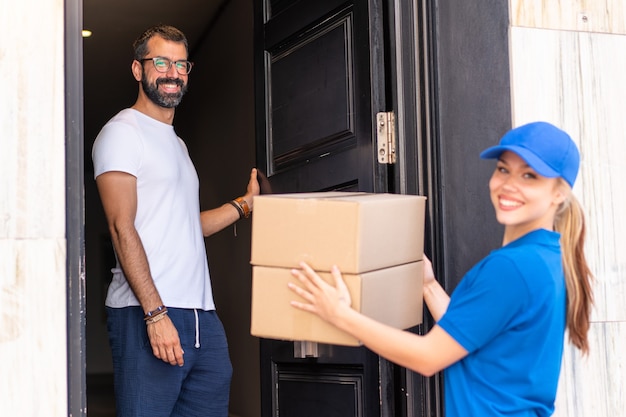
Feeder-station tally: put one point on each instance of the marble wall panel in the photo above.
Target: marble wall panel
(594, 385)
(32, 120)
(599, 16)
(33, 321)
(33, 328)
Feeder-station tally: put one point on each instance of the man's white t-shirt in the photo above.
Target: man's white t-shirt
(168, 209)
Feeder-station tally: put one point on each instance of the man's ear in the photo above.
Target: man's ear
(137, 70)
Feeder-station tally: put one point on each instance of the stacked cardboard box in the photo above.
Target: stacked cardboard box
(376, 240)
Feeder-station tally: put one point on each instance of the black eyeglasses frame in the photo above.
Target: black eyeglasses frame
(189, 64)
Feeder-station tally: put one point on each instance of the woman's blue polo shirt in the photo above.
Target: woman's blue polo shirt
(509, 313)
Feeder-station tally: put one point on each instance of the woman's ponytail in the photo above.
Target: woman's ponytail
(570, 223)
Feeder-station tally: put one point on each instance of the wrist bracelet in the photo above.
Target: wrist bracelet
(244, 206)
(156, 317)
(238, 207)
(157, 311)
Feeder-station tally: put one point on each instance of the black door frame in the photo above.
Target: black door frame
(452, 94)
(75, 209)
(413, 99)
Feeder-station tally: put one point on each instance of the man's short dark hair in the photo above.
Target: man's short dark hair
(169, 33)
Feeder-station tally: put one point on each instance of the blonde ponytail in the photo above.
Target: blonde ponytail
(570, 223)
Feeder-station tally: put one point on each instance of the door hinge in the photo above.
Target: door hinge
(386, 128)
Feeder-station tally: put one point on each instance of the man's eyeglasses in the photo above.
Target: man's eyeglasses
(164, 64)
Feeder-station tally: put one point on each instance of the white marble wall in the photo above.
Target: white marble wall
(597, 16)
(571, 72)
(33, 374)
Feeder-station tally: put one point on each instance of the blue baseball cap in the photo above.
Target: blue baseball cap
(545, 148)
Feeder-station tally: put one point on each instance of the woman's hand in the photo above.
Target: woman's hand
(435, 296)
(323, 299)
(429, 274)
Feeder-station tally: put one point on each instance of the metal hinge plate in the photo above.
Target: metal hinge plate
(385, 126)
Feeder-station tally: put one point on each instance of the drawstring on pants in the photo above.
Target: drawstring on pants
(197, 345)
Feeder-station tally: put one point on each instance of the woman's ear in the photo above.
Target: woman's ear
(561, 193)
(137, 70)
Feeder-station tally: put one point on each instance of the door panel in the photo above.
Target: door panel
(316, 101)
(311, 107)
(340, 390)
(337, 380)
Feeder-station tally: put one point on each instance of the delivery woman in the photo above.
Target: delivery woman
(499, 337)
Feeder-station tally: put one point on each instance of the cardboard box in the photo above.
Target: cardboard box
(392, 296)
(358, 232)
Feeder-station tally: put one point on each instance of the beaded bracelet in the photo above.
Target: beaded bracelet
(156, 317)
(157, 311)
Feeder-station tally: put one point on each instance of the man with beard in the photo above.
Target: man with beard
(170, 355)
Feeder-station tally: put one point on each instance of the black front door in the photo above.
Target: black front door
(320, 82)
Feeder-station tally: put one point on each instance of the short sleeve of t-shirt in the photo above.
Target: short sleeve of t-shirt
(487, 301)
(117, 148)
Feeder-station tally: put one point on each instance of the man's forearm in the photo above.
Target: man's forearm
(134, 263)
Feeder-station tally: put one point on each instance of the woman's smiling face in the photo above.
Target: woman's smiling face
(523, 200)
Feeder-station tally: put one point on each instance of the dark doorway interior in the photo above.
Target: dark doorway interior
(216, 120)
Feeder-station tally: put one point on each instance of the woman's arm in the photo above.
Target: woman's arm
(435, 296)
(424, 354)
